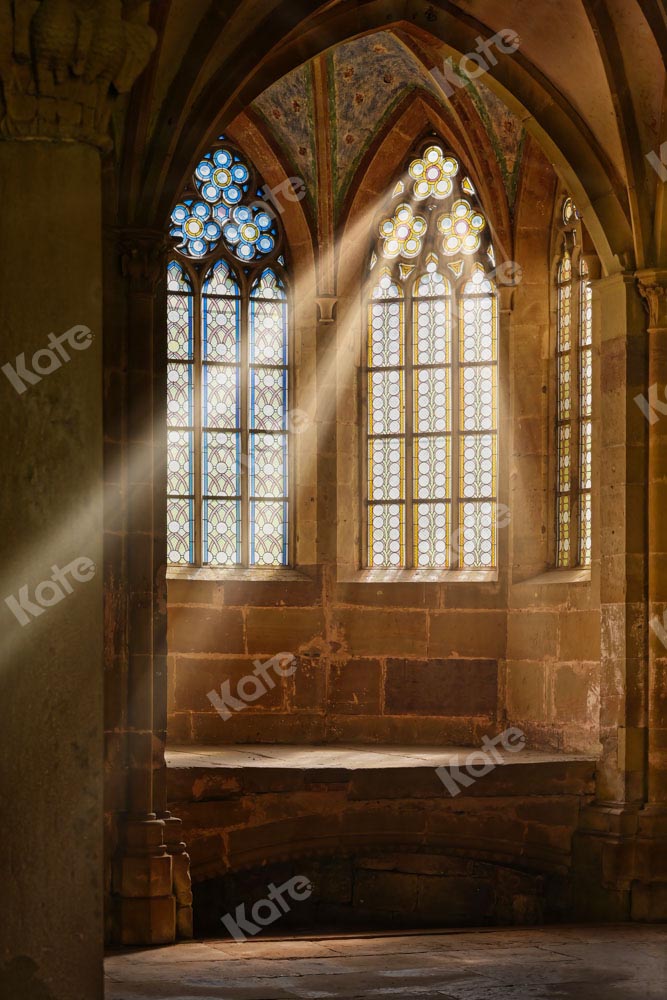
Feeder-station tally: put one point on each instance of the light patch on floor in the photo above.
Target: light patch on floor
(626, 962)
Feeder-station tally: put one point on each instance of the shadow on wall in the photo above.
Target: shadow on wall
(382, 891)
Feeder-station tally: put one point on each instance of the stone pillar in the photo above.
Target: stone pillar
(604, 845)
(55, 103)
(649, 900)
(143, 869)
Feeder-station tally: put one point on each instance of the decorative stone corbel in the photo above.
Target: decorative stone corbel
(143, 257)
(652, 284)
(326, 308)
(63, 63)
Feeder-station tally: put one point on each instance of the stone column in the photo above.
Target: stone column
(650, 888)
(60, 65)
(143, 869)
(603, 848)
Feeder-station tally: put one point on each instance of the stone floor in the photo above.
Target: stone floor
(627, 962)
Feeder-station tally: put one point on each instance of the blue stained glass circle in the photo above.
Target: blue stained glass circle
(232, 194)
(232, 233)
(204, 170)
(198, 248)
(222, 158)
(263, 221)
(265, 244)
(211, 192)
(240, 173)
(245, 251)
(243, 214)
(212, 231)
(180, 213)
(201, 210)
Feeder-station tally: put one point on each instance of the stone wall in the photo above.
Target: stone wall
(374, 664)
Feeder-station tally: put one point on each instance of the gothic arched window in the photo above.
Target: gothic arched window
(228, 372)
(432, 376)
(574, 405)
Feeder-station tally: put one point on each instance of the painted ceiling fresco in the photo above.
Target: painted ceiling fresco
(367, 79)
(361, 100)
(287, 108)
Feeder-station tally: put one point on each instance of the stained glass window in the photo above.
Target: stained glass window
(228, 334)
(574, 403)
(431, 375)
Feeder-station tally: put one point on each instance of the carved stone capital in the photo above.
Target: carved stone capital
(63, 63)
(652, 284)
(143, 257)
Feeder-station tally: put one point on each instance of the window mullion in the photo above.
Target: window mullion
(198, 402)
(456, 390)
(409, 431)
(244, 410)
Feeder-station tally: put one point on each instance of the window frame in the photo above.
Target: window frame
(245, 274)
(456, 363)
(571, 239)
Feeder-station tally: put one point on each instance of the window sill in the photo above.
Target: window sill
(555, 577)
(237, 574)
(420, 576)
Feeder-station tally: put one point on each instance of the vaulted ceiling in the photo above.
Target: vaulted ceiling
(575, 84)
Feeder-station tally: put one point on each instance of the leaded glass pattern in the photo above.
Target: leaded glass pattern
(180, 416)
(431, 376)
(228, 373)
(574, 401)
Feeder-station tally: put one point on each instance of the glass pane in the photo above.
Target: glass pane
(179, 395)
(385, 344)
(386, 535)
(461, 229)
(268, 533)
(479, 329)
(269, 286)
(222, 464)
(385, 402)
(179, 327)
(432, 534)
(268, 465)
(433, 173)
(268, 332)
(180, 531)
(564, 464)
(585, 530)
(221, 397)
(386, 469)
(221, 329)
(432, 468)
(564, 387)
(564, 531)
(586, 314)
(478, 466)
(180, 465)
(564, 315)
(586, 382)
(268, 399)
(432, 319)
(432, 400)
(477, 541)
(478, 402)
(586, 455)
(222, 532)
